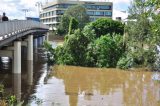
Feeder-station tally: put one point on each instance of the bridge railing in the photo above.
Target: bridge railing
(9, 28)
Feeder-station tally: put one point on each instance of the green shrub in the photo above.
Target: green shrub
(105, 51)
(125, 62)
(105, 26)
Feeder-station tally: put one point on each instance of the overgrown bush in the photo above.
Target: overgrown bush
(105, 51)
(146, 58)
(105, 26)
(125, 62)
(84, 48)
(79, 50)
(73, 50)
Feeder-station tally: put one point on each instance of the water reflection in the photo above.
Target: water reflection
(16, 78)
(23, 85)
(30, 72)
(5, 63)
(77, 86)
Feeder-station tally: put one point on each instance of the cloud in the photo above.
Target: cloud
(13, 8)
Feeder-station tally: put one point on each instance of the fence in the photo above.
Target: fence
(10, 28)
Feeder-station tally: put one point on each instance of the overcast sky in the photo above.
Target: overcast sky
(13, 8)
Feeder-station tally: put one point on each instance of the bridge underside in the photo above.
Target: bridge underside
(22, 35)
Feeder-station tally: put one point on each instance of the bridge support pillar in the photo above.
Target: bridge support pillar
(16, 81)
(30, 58)
(30, 48)
(47, 36)
(17, 57)
(39, 41)
(43, 39)
(35, 43)
(30, 72)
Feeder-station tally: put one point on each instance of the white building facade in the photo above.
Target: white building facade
(51, 12)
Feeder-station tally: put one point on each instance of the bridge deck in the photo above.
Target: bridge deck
(11, 30)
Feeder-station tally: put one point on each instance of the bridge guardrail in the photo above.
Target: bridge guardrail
(9, 28)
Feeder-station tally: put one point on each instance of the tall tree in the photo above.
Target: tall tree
(79, 13)
(140, 38)
(63, 26)
(73, 25)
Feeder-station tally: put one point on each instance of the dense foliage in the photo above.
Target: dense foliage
(73, 25)
(73, 51)
(105, 26)
(63, 26)
(85, 48)
(78, 12)
(108, 43)
(142, 37)
(78, 49)
(105, 51)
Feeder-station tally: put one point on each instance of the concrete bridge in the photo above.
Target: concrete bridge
(17, 33)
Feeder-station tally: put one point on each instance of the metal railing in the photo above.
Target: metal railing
(10, 28)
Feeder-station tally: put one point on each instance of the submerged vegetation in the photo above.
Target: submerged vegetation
(8, 99)
(109, 43)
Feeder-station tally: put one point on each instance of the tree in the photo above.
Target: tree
(105, 51)
(73, 25)
(79, 13)
(63, 26)
(155, 16)
(140, 40)
(73, 50)
(105, 26)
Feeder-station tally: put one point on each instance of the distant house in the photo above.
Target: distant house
(33, 19)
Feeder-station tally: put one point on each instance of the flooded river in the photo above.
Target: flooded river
(79, 86)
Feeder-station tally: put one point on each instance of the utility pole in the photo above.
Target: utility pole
(39, 5)
(25, 12)
(46, 1)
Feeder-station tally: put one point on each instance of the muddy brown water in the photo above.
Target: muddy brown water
(80, 86)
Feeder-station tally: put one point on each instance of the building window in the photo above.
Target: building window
(99, 13)
(98, 7)
(59, 12)
(64, 5)
(53, 6)
(91, 13)
(108, 13)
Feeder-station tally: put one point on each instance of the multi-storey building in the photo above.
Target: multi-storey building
(52, 11)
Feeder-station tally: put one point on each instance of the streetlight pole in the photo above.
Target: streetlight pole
(39, 5)
(25, 12)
